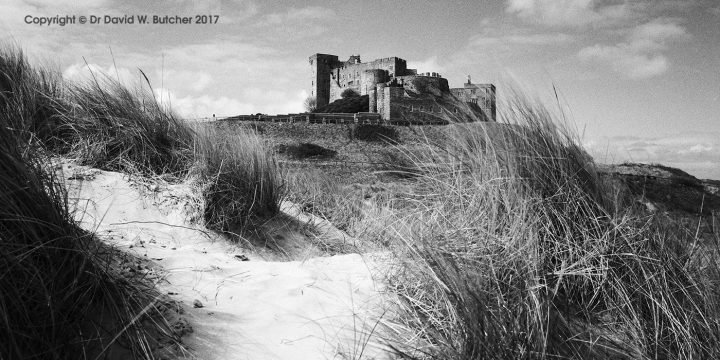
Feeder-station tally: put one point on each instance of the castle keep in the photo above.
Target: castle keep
(396, 92)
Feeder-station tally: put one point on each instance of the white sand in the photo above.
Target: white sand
(320, 308)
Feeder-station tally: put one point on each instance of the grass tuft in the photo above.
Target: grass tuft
(243, 180)
(102, 123)
(62, 295)
(518, 249)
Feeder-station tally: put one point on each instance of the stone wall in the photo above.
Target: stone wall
(321, 65)
(352, 75)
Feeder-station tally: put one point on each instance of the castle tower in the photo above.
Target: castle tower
(321, 66)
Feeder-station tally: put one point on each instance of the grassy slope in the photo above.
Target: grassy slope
(516, 247)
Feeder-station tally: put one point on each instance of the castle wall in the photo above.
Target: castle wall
(481, 96)
(393, 94)
(321, 65)
(330, 78)
(370, 78)
(380, 100)
(351, 76)
(422, 84)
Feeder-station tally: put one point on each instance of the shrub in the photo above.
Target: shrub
(349, 93)
(243, 181)
(375, 133)
(306, 151)
(349, 105)
(310, 104)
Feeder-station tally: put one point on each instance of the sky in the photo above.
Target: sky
(638, 79)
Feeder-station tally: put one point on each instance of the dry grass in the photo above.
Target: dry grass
(517, 249)
(243, 180)
(102, 123)
(63, 296)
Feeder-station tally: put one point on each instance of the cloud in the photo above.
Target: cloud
(221, 77)
(694, 152)
(299, 14)
(194, 81)
(296, 23)
(65, 4)
(641, 54)
(522, 39)
(567, 12)
(428, 65)
(204, 106)
(254, 101)
(83, 73)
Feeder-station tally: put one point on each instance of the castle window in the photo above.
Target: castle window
(472, 92)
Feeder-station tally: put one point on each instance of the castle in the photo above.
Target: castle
(396, 92)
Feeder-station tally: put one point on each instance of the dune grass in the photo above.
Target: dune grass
(122, 129)
(108, 125)
(243, 182)
(518, 249)
(63, 296)
(102, 123)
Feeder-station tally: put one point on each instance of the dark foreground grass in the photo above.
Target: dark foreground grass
(62, 296)
(517, 249)
(107, 125)
(102, 123)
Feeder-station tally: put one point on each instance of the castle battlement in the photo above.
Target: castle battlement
(388, 83)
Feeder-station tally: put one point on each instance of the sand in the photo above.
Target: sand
(240, 304)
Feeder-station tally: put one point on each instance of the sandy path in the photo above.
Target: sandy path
(320, 308)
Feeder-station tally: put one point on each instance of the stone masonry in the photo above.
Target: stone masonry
(396, 92)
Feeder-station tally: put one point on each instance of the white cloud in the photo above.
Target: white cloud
(641, 54)
(567, 12)
(65, 4)
(694, 152)
(296, 23)
(428, 65)
(194, 81)
(82, 73)
(203, 106)
(300, 14)
(522, 39)
(697, 149)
